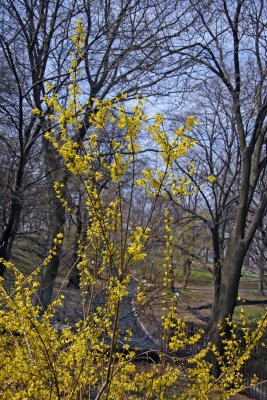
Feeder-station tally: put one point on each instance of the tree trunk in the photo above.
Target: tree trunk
(74, 275)
(231, 273)
(57, 217)
(217, 273)
(262, 260)
(50, 272)
(186, 273)
(11, 228)
(261, 273)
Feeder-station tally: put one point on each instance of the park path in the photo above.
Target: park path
(71, 311)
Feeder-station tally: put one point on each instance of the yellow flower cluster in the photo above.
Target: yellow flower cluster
(40, 362)
(211, 178)
(136, 247)
(238, 347)
(58, 189)
(58, 240)
(179, 146)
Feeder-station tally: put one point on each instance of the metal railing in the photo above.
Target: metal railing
(255, 366)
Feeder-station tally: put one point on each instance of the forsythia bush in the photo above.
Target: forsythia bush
(83, 362)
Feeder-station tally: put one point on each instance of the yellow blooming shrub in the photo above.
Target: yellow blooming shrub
(83, 361)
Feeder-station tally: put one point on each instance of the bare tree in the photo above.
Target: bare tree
(228, 43)
(123, 53)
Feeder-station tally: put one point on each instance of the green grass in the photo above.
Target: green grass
(26, 255)
(253, 313)
(197, 276)
(201, 277)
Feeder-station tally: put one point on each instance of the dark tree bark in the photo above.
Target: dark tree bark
(74, 275)
(26, 45)
(186, 273)
(50, 272)
(230, 52)
(55, 172)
